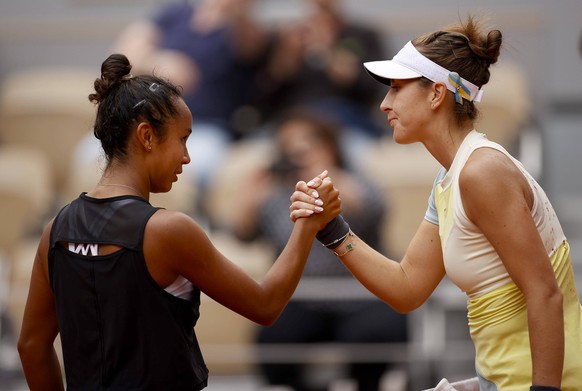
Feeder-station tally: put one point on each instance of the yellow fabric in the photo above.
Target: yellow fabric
(498, 325)
(497, 310)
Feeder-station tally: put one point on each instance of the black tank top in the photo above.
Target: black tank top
(119, 329)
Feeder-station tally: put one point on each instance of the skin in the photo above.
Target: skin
(298, 140)
(495, 196)
(169, 250)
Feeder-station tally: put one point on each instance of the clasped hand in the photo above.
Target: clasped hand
(316, 197)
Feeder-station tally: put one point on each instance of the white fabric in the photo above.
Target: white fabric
(181, 288)
(463, 385)
(470, 260)
(409, 63)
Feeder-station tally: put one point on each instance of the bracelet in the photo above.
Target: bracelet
(336, 243)
(543, 388)
(349, 246)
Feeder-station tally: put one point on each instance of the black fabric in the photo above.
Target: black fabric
(331, 234)
(119, 329)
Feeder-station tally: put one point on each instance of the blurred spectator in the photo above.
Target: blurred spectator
(307, 143)
(318, 61)
(211, 50)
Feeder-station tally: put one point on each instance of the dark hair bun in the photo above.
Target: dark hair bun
(493, 46)
(113, 70)
(485, 46)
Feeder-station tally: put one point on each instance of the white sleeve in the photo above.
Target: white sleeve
(431, 214)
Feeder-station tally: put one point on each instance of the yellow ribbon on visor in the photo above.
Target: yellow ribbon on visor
(461, 91)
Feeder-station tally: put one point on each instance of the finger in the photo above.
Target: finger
(302, 188)
(298, 205)
(310, 199)
(317, 181)
(301, 213)
(324, 190)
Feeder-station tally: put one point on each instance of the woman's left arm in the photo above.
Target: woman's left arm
(498, 199)
(40, 327)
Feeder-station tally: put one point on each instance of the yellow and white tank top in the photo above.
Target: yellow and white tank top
(497, 310)
(470, 260)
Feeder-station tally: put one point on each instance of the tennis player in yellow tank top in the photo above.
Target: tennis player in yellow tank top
(489, 226)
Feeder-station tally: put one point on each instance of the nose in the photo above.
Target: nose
(386, 104)
(186, 158)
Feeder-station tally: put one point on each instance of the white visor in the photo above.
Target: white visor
(409, 63)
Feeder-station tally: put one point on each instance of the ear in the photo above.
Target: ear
(438, 94)
(145, 135)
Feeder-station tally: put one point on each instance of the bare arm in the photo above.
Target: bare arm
(176, 239)
(40, 328)
(498, 199)
(403, 285)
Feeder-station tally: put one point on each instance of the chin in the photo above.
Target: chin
(163, 189)
(401, 138)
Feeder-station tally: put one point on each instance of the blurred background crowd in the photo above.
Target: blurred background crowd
(277, 90)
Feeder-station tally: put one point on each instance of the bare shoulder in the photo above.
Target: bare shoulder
(167, 224)
(490, 181)
(488, 169)
(178, 240)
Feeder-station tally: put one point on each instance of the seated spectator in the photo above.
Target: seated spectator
(317, 61)
(307, 142)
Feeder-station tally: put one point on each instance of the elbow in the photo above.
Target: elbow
(554, 296)
(267, 322)
(24, 348)
(268, 317)
(403, 308)
(557, 298)
(546, 299)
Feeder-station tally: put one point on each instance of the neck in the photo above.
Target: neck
(445, 145)
(134, 190)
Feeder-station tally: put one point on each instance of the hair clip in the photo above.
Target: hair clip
(141, 102)
(460, 90)
(153, 87)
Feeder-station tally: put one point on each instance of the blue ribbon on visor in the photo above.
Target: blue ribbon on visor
(460, 90)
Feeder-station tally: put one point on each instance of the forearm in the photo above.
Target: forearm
(42, 369)
(382, 276)
(546, 330)
(282, 278)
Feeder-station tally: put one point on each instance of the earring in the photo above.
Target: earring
(149, 147)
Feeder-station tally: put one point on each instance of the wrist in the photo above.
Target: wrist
(332, 235)
(346, 245)
(308, 226)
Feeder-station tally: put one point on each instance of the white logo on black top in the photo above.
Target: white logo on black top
(84, 249)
